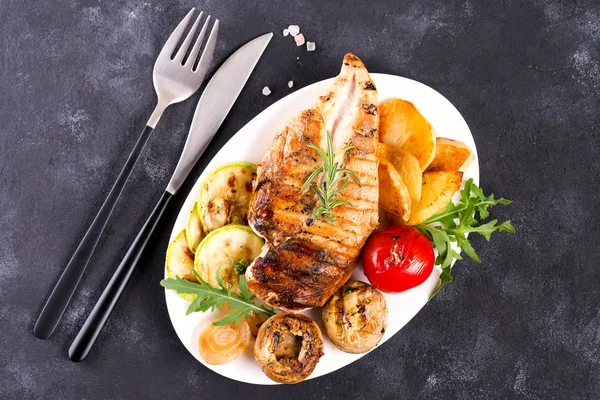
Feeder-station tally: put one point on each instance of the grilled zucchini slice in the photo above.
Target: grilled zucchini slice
(180, 261)
(225, 195)
(224, 249)
(194, 232)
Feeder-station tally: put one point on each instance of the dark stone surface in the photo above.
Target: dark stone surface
(76, 89)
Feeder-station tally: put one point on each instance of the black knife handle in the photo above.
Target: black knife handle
(88, 334)
(65, 287)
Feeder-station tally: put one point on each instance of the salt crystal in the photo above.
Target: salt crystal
(294, 30)
(286, 32)
(310, 46)
(266, 91)
(299, 39)
(290, 84)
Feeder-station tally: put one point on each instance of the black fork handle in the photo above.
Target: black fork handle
(88, 334)
(65, 287)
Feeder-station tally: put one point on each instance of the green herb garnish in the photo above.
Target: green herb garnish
(239, 267)
(332, 183)
(208, 298)
(454, 223)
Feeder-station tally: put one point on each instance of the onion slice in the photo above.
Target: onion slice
(221, 344)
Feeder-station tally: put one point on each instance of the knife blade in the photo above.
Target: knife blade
(214, 105)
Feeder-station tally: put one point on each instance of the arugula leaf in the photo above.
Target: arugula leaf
(234, 316)
(208, 298)
(465, 246)
(454, 223)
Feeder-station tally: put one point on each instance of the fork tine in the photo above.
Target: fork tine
(207, 54)
(198, 44)
(188, 39)
(172, 41)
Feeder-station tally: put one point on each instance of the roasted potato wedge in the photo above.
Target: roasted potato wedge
(396, 119)
(393, 192)
(451, 155)
(438, 189)
(401, 124)
(389, 218)
(407, 165)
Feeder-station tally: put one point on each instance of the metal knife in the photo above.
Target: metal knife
(213, 106)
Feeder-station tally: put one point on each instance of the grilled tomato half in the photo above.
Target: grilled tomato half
(397, 258)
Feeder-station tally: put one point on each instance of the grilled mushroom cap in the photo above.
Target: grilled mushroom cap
(288, 347)
(355, 317)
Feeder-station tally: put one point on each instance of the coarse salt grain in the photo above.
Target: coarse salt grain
(290, 84)
(299, 39)
(310, 46)
(266, 91)
(294, 30)
(286, 32)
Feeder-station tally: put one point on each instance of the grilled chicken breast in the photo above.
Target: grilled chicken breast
(306, 260)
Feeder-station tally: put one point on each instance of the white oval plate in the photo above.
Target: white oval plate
(250, 144)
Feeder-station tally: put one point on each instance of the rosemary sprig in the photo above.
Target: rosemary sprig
(335, 180)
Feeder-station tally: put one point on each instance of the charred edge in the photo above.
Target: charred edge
(371, 132)
(263, 215)
(370, 109)
(368, 85)
(351, 59)
(250, 184)
(231, 181)
(259, 273)
(261, 183)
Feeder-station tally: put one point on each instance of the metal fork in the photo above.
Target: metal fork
(176, 77)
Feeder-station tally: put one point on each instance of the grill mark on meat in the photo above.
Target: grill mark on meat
(296, 270)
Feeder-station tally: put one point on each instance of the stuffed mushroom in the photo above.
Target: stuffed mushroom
(288, 347)
(355, 317)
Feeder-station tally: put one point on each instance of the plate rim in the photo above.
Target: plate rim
(268, 110)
